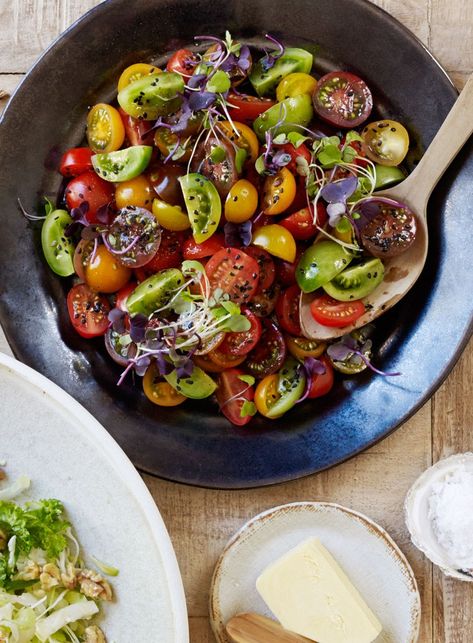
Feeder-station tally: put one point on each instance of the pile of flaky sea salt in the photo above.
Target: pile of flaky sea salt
(451, 514)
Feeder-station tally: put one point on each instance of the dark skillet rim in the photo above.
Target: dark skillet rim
(253, 484)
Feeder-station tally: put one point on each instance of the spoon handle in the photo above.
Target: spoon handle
(453, 134)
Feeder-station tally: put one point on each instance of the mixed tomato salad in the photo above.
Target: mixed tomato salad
(210, 196)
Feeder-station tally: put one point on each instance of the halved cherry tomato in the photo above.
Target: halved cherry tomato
(133, 72)
(277, 393)
(322, 384)
(105, 129)
(158, 390)
(241, 202)
(235, 272)
(242, 343)
(267, 269)
(336, 314)
(88, 311)
(90, 188)
(137, 132)
(287, 310)
(386, 142)
(210, 247)
(104, 273)
(342, 99)
(264, 301)
(295, 153)
(206, 364)
(278, 241)
(122, 295)
(295, 84)
(270, 352)
(138, 192)
(301, 347)
(82, 253)
(169, 254)
(169, 145)
(215, 159)
(133, 237)
(301, 223)
(183, 61)
(245, 108)
(266, 393)
(225, 360)
(246, 139)
(76, 161)
(232, 393)
(170, 216)
(279, 191)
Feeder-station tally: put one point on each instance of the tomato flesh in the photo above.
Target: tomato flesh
(242, 343)
(301, 223)
(89, 188)
(342, 99)
(270, 352)
(336, 314)
(169, 253)
(247, 108)
(322, 384)
(183, 62)
(88, 311)
(193, 250)
(232, 393)
(287, 310)
(235, 272)
(267, 269)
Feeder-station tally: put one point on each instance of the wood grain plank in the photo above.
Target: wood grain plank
(452, 432)
(200, 630)
(452, 33)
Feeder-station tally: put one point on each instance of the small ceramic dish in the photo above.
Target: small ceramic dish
(416, 509)
(368, 555)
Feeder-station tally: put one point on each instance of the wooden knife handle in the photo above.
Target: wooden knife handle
(254, 628)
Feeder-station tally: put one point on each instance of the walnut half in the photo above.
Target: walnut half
(93, 585)
(93, 634)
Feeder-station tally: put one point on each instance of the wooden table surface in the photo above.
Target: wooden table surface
(200, 521)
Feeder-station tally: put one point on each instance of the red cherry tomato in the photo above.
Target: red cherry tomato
(342, 99)
(287, 310)
(122, 295)
(232, 393)
(183, 61)
(336, 314)
(301, 223)
(235, 272)
(137, 132)
(194, 250)
(169, 254)
(88, 311)
(267, 269)
(286, 271)
(90, 188)
(76, 161)
(322, 384)
(294, 153)
(269, 354)
(245, 108)
(242, 343)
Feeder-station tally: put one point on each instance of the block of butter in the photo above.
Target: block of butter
(310, 594)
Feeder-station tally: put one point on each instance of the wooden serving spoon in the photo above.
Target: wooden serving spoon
(402, 272)
(254, 628)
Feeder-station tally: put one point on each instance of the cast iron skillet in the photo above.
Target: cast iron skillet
(422, 337)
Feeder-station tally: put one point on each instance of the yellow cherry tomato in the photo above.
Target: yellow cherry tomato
(138, 192)
(104, 273)
(171, 217)
(279, 191)
(242, 201)
(266, 394)
(167, 142)
(294, 85)
(247, 139)
(134, 72)
(159, 391)
(105, 129)
(276, 240)
(385, 142)
(301, 347)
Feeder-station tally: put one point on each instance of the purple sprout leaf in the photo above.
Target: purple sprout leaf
(141, 365)
(335, 212)
(117, 318)
(311, 367)
(280, 159)
(90, 232)
(201, 100)
(104, 213)
(184, 116)
(339, 351)
(339, 191)
(138, 325)
(185, 369)
(238, 234)
(198, 81)
(268, 61)
(244, 59)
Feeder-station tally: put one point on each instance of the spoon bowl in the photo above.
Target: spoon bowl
(402, 271)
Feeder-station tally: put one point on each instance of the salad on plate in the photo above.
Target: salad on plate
(210, 196)
(47, 594)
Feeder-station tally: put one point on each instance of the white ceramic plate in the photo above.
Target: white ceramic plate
(368, 555)
(68, 455)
